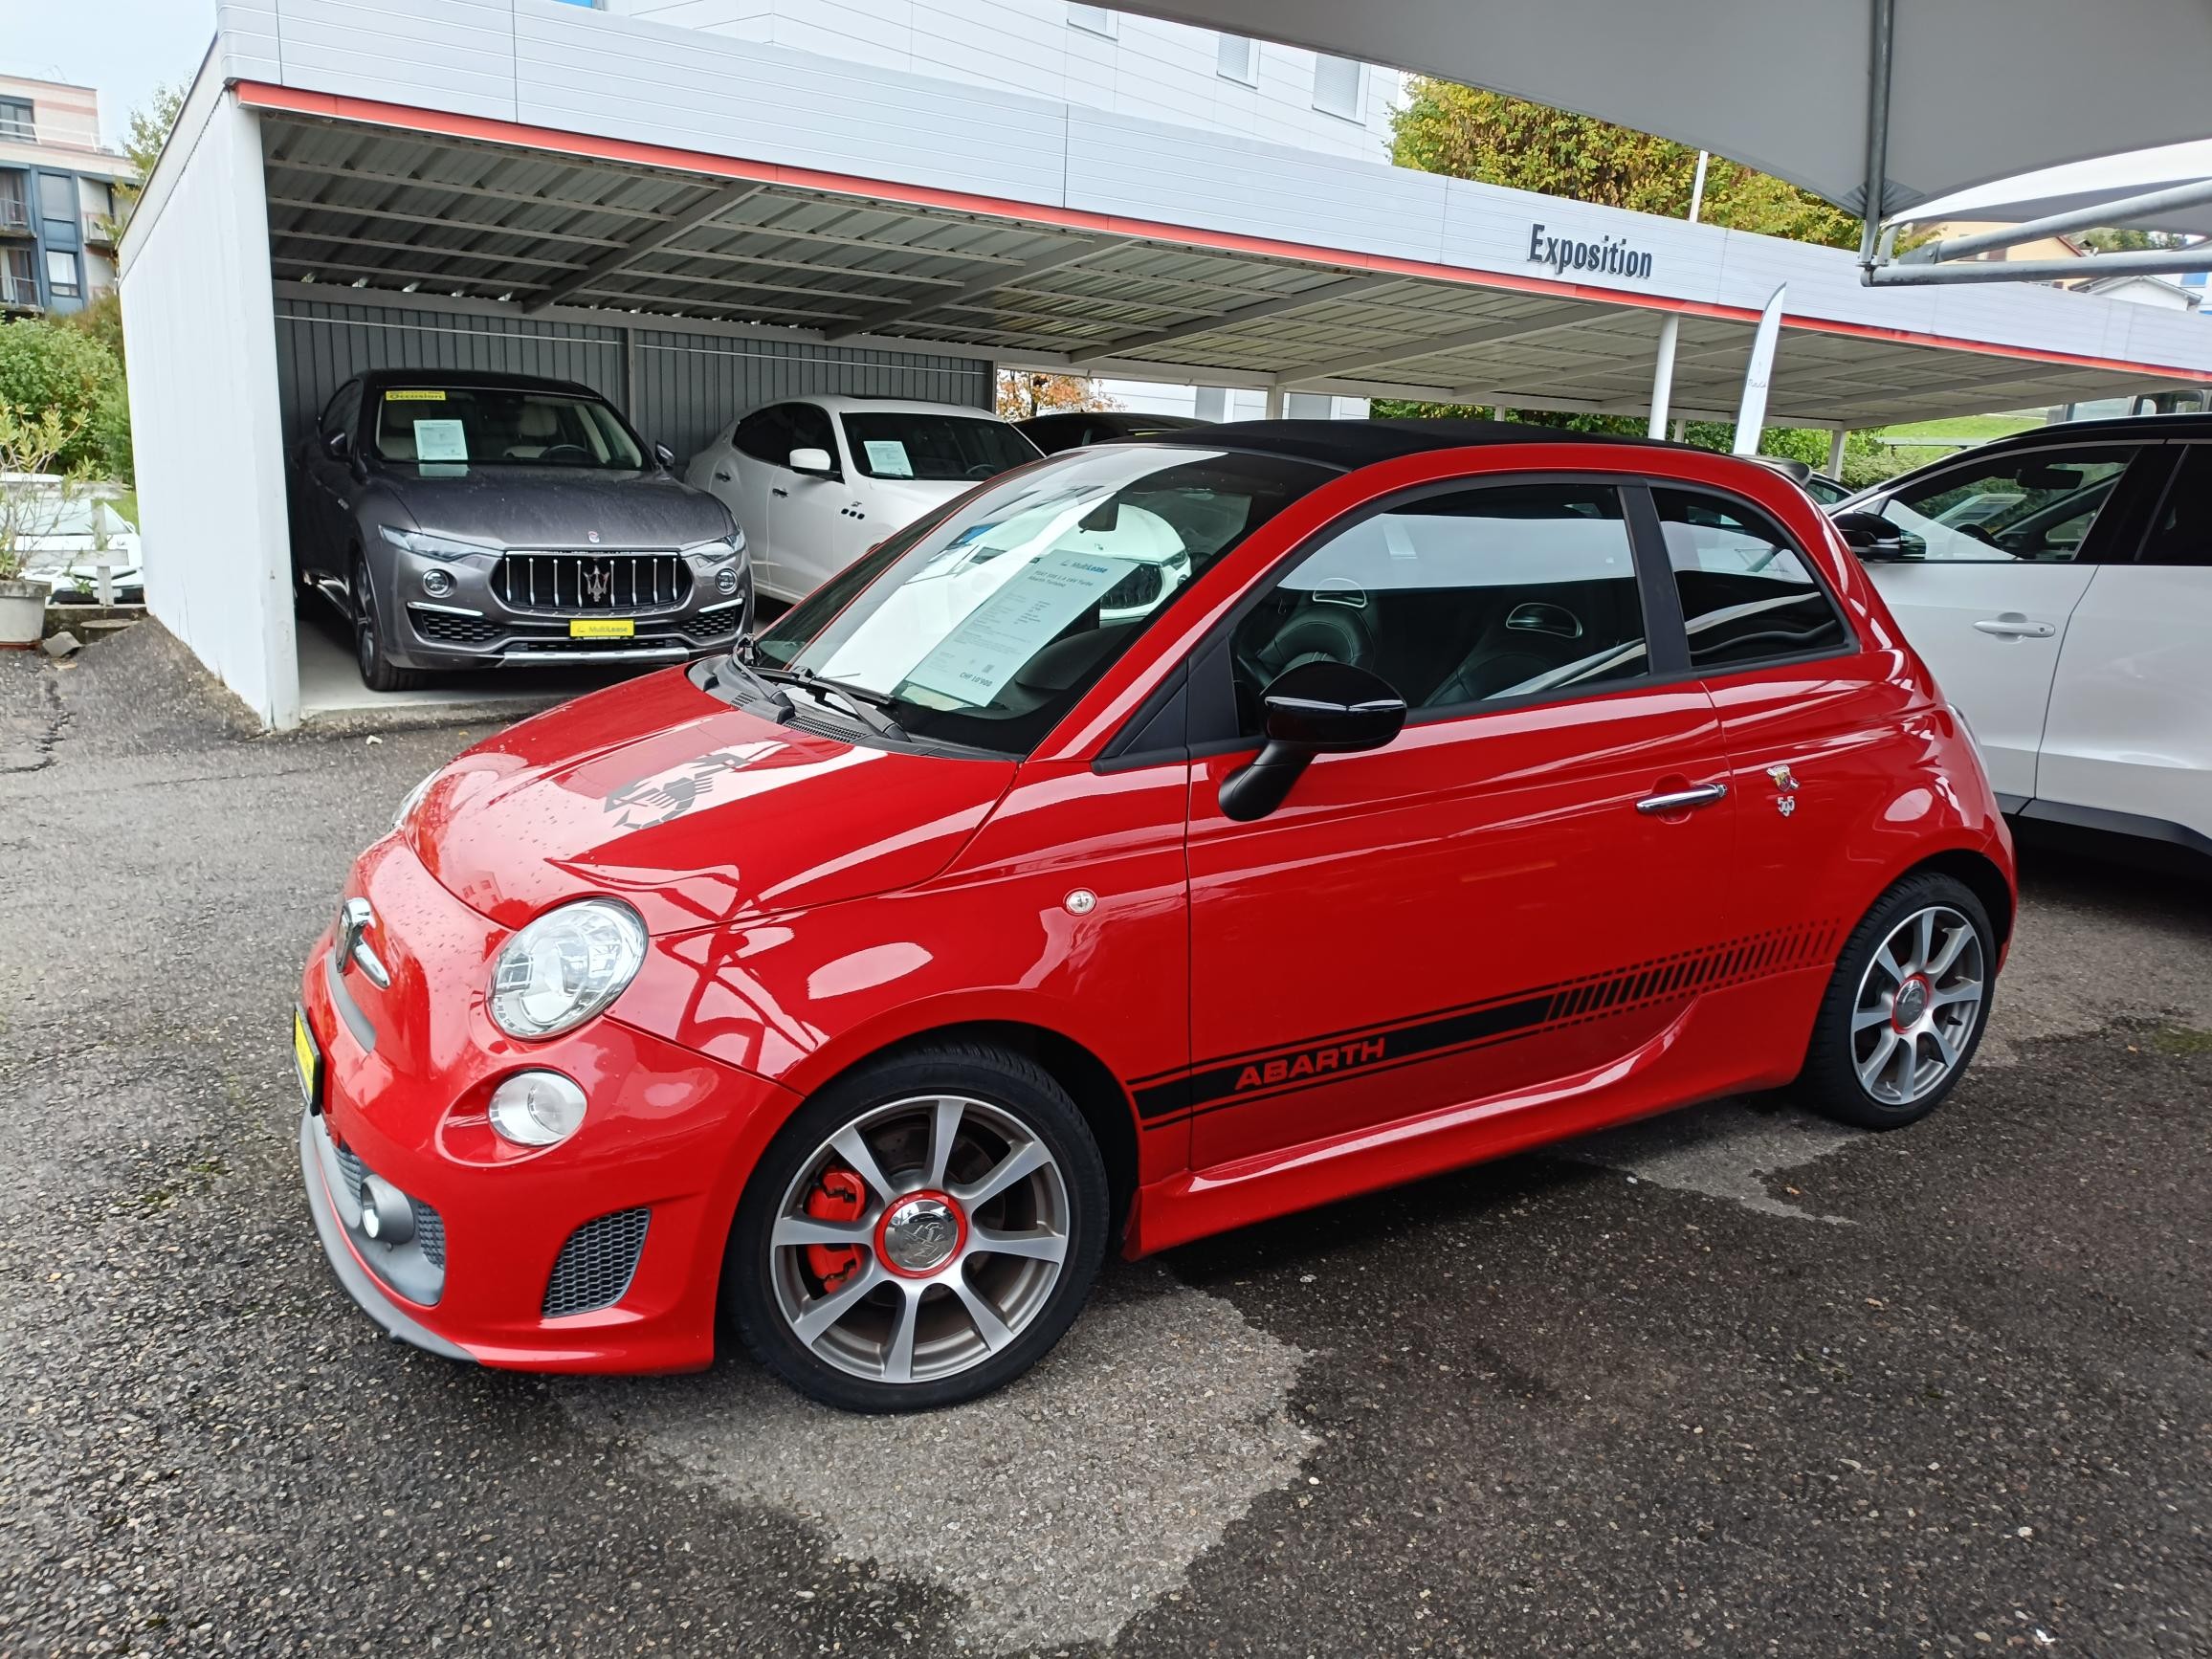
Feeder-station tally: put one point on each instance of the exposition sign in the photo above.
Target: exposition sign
(1607, 257)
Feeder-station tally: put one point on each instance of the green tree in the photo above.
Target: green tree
(49, 368)
(1471, 134)
(148, 130)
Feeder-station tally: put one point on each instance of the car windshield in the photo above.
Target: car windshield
(986, 626)
(943, 449)
(500, 427)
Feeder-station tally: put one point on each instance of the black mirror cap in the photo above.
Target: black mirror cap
(338, 446)
(1333, 708)
(1870, 536)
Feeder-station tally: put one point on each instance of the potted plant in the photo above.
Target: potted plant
(32, 500)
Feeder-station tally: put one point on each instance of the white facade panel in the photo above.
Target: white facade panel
(681, 88)
(1150, 170)
(246, 33)
(461, 52)
(200, 319)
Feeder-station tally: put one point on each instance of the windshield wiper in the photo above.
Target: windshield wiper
(863, 704)
(773, 696)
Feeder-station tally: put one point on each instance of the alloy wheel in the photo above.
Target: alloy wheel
(920, 1239)
(1917, 1005)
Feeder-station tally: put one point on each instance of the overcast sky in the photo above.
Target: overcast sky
(123, 47)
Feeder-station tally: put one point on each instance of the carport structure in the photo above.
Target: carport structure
(693, 223)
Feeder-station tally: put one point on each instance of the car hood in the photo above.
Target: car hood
(695, 813)
(552, 506)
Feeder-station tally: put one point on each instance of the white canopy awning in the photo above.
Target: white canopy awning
(1982, 89)
(2078, 185)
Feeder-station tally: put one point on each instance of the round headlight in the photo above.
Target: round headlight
(566, 966)
(537, 1107)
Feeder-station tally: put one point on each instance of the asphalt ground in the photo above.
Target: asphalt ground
(1731, 1381)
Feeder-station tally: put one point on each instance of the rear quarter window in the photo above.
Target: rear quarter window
(1748, 594)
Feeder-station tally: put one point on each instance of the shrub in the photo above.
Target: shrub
(47, 366)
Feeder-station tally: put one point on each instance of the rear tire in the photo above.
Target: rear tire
(861, 1268)
(1905, 1008)
(377, 671)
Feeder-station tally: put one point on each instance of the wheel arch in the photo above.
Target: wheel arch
(1090, 1083)
(1978, 874)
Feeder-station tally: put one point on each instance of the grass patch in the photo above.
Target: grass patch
(2181, 1040)
(1963, 428)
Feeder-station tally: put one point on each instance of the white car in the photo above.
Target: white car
(816, 481)
(2059, 584)
(65, 539)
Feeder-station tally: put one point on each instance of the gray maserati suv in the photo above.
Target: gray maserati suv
(473, 521)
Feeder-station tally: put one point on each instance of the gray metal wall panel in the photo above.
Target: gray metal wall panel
(688, 384)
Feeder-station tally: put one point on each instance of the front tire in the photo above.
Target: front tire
(1905, 1008)
(923, 1232)
(377, 671)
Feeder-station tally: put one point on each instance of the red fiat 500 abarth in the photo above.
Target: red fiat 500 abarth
(1168, 835)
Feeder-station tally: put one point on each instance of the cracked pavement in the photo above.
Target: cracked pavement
(1732, 1380)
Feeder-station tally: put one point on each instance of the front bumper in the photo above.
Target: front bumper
(471, 624)
(663, 1154)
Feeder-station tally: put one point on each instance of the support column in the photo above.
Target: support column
(1836, 452)
(1663, 374)
(1275, 403)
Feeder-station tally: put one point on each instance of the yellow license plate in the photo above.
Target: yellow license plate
(602, 627)
(306, 1058)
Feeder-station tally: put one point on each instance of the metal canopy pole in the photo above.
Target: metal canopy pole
(1879, 59)
(2149, 262)
(1671, 327)
(2149, 204)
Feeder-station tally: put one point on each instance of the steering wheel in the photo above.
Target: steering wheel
(981, 471)
(1983, 536)
(558, 451)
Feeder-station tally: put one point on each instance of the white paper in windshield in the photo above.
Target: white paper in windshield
(1001, 634)
(441, 441)
(887, 458)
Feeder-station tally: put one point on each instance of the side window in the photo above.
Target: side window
(810, 430)
(1467, 598)
(1748, 595)
(765, 435)
(2181, 534)
(2036, 506)
(338, 412)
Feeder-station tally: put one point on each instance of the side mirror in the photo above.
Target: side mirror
(666, 456)
(338, 446)
(814, 463)
(1872, 536)
(1317, 708)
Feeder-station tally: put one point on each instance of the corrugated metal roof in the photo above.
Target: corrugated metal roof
(355, 205)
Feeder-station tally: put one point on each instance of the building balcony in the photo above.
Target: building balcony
(17, 295)
(14, 219)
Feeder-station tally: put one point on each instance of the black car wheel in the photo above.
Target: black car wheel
(920, 1232)
(369, 641)
(1905, 1008)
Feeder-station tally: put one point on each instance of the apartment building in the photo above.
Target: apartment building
(57, 203)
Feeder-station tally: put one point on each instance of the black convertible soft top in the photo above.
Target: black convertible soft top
(1351, 444)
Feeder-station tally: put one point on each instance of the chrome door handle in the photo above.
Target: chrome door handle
(777, 489)
(2014, 626)
(722, 478)
(1682, 800)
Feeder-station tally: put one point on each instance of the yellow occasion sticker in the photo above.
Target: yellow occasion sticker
(414, 397)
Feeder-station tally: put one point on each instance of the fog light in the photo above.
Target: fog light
(385, 1215)
(726, 579)
(537, 1107)
(437, 583)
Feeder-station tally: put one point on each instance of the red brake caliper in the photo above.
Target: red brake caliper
(838, 1196)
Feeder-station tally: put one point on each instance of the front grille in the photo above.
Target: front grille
(713, 626)
(443, 629)
(355, 1171)
(586, 584)
(1140, 587)
(595, 1265)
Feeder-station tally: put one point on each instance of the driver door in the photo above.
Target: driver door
(1480, 906)
(815, 518)
(2010, 543)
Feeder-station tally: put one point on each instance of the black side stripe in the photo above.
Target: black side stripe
(1264, 1074)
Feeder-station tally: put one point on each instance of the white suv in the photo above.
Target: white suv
(2059, 584)
(817, 481)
